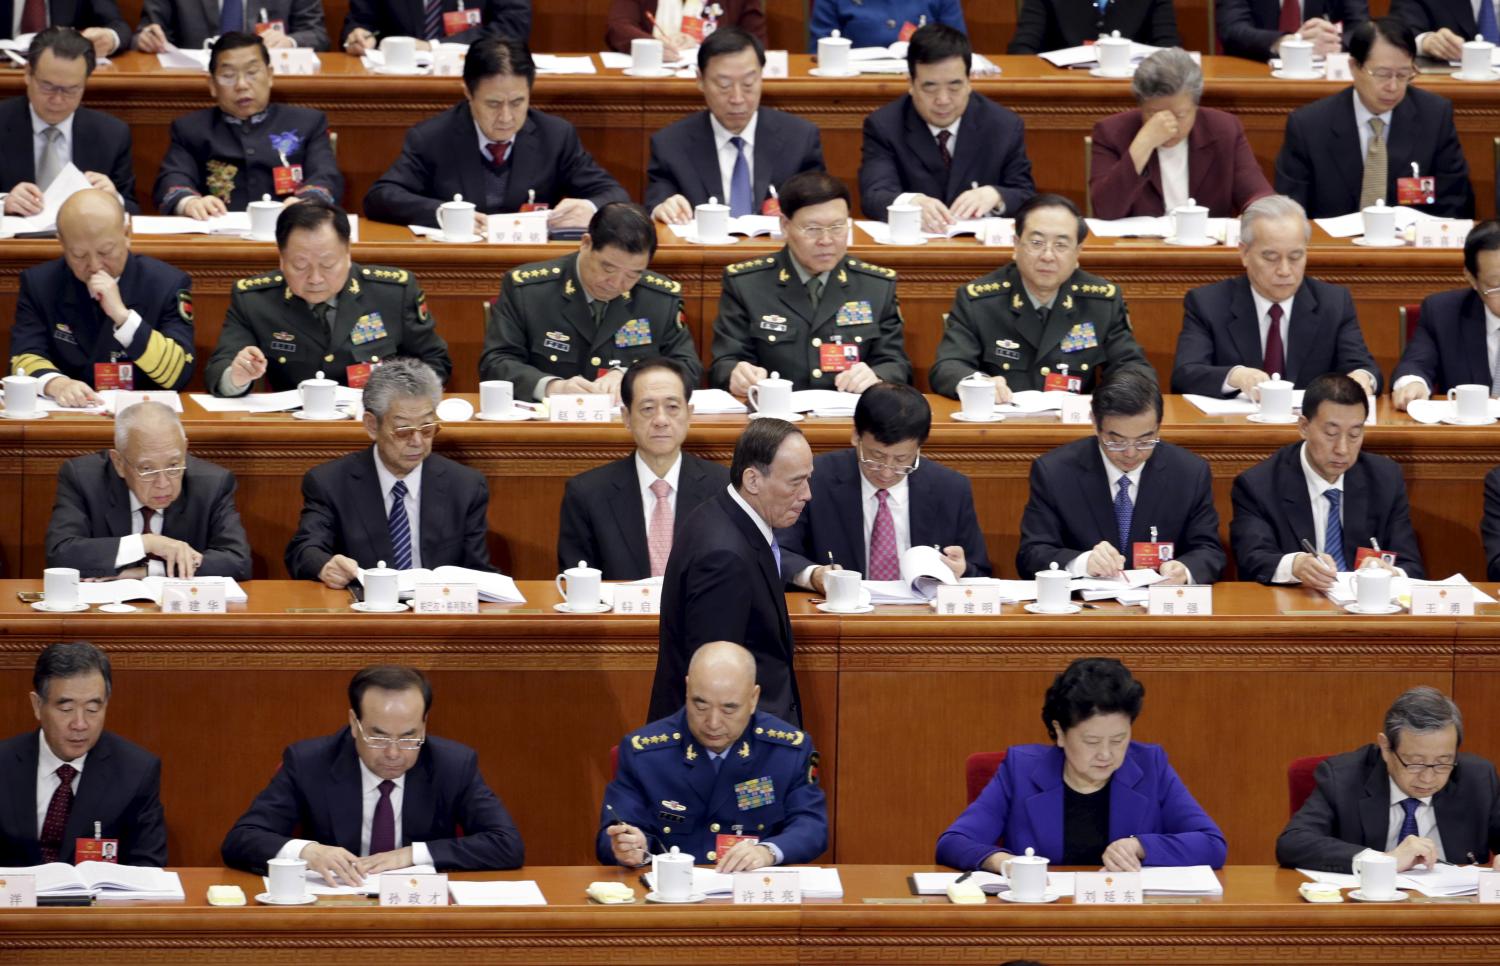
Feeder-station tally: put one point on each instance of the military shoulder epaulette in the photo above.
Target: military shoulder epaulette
(777, 736)
(984, 290)
(259, 281)
(1098, 290)
(661, 284)
(664, 739)
(535, 273)
(753, 265)
(876, 270)
(377, 273)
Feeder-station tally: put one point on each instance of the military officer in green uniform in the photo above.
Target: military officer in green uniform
(809, 313)
(321, 313)
(576, 323)
(1039, 322)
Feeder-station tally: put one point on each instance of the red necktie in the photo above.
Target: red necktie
(34, 16)
(943, 137)
(1291, 17)
(1275, 364)
(383, 825)
(885, 564)
(499, 151)
(57, 814)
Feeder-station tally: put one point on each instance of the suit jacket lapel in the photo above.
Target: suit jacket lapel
(1203, 179)
(1244, 323)
(1348, 160)
(921, 143)
(969, 152)
(1375, 807)
(704, 148)
(94, 785)
(1149, 497)
(1448, 806)
(464, 142)
(766, 145)
(345, 795)
(793, 293)
(1356, 502)
(346, 313)
(851, 513)
(370, 509)
(118, 514)
(751, 532)
(175, 522)
(1294, 501)
(22, 796)
(1127, 806)
(527, 167)
(417, 811)
(432, 509)
(1471, 334)
(1097, 496)
(1301, 331)
(629, 513)
(1044, 807)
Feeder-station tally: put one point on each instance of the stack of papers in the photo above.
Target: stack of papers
(1084, 55)
(493, 588)
(748, 225)
(559, 64)
(1352, 224)
(423, 60)
(1440, 882)
(232, 223)
(147, 588)
(1128, 588)
(1429, 411)
(825, 402)
(524, 893)
(978, 227)
(179, 59)
(1149, 226)
(104, 880)
(1035, 401)
(68, 181)
(1240, 405)
(715, 402)
(1187, 880)
(318, 886)
(273, 402)
(818, 882)
(1342, 591)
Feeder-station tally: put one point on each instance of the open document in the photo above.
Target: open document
(147, 588)
(103, 880)
(68, 182)
(493, 588)
(818, 882)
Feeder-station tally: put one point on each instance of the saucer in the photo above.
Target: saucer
(266, 899)
(698, 897)
(1358, 896)
(118, 607)
(821, 72)
(476, 237)
(1114, 74)
(1034, 608)
(42, 606)
(1045, 897)
(964, 417)
(1283, 74)
(365, 607)
(861, 609)
(515, 415)
(1455, 421)
(390, 71)
(695, 240)
(1388, 609)
(920, 241)
(299, 414)
(566, 608)
(1364, 242)
(39, 414)
(789, 417)
(649, 71)
(1273, 420)
(1204, 242)
(1488, 75)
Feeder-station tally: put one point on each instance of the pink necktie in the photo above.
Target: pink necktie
(884, 562)
(659, 533)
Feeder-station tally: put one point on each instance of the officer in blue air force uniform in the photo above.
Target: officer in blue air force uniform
(717, 779)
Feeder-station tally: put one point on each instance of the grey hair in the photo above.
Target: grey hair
(1422, 710)
(146, 412)
(404, 377)
(1270, 208)
(1168, 73)
(70, 660)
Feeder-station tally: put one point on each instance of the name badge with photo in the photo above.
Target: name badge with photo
(837, 356)
(1149, 555)
(114, 375)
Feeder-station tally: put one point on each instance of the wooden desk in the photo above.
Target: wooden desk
(1259, 919)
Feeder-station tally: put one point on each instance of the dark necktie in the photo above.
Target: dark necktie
(147, 515)
(400, 527)
(1275, 355)
(231, 16)
(1124, 513)
(597, 308)
(1488, 29)
(718, 762)
(943, 137)
(57, 814)
(323, 312)
(1409, 823)
(499, 151)
(1291, 17)
(1333, 531)
(739, 181)
(383, 825)
(34, 16)
(432, 20)
(815, 290)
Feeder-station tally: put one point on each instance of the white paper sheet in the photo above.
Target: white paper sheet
(376, 58)
(1342, 591)
(179, 59)
(1352, 224)
(614, 60)
(318, 886)
(751, 226)
(273, 402)
(818, 882)
(715, 402)
(881, 232)
(825, 402)
(1185, 880)
(146, 588)
(1085, 55)
(167, 397)
(493, 587)
(229, 223)
(69, 181)
(559, 64)
(523, 893)
(1240, 405)
(1432, 411)
(1442, 881)
(1034, 402)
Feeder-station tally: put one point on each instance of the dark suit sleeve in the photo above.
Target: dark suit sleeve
(1120, 348)
(361, 14)
(1193, 368)
(677, 343)
(1164, 26)
(70, 540)
(106, 13)
(122, 171)
(490, 839)
(476, 526)
(888, 358)
(628, 800)
(316, 538)
(147, 843)
(660, 183)
(1455, 197)
(1416, 13)
(959, 352)
(579, 175)
(320, 174)
(1294, 175)
(1249, 180)
(1489, 524)
(624, 25)
(234, 336)
(163, 13)
(402, 195)
(1114, 184)
(715, 604)
(575, 538)
(1015, 184)
(228, 550)
(419, 334)
(1031, 27)
(879, 177)
(1199, 547)
(1042, 528)
(804, 828)
(1352, 351)
(502, 18)
(793, 541)
(308, 26)
(30, 344)
(178, 175)
(1422, 356)
(163, 346)
(1309, 840)
(731, 344)
(269, 823)
(1252, 535)
(1238, 32)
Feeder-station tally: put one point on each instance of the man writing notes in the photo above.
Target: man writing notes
(874, 502)
(146, 507)
(1349, 150)
(1039, 316)
(99, 21)
(1323, 494)
(953, 153)
(736, 151)
(1410, 794)
(723, 579)
(1124, 498)
(681, 780)
(1272, 320)
(494, 151)
(397, 501)
(576, 324)
(71, 774)
(621, 517)
(101, 316)
(806, 312)
(1457, 341)
(379, 794)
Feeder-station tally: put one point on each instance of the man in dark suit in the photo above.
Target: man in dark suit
(378, 795)
(620, 517)
(101, 316)
(736, 151)
(1410, 794)
(1272, 320)
(1254, 29)
(1348, 150)
(1325, 493)
(188, 23)
(495, 152)
(99, 21)
(450, 21)
(397, 501)
(71, 774)
(953, 153)
(1115, 501)
(1457, 341)
(1442, 26)
(1045, 25)
(723, 579)
(58, 66)
(147, 508)
(874, 502)
(224, 157)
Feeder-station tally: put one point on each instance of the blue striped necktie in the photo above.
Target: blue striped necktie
(1486, 22)
(432, 20)
(400, 527)
(1333, 532)
(739, 181)
(1124, 512)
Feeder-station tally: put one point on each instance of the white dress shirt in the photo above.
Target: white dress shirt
(1078, 566)
(413, 502)
(760, 524)
(1426, 820)
(1491, 352)
(1362, 117)
(728, 155)
(906, 196)
(369, 784)
(47, 781)
(1174, 174)
(133, 547)
(645, 476)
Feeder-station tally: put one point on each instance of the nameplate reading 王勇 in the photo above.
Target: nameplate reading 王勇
(1442, 600)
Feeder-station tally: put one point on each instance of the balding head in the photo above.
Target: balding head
(91, 228)
(721, 693)
(150, 453)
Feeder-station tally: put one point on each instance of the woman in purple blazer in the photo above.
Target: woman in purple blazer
(1094, 797)
(1169, 150)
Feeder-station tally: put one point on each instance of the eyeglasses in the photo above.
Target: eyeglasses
(814, 232)
(53, 90)
(408, 433)
(1038, 245)
(381, 744)
(1384, 76)
(1121, 445)
(225, 78)
(1417, 767)
(896, 468)
(1489, 293)
(168, 472)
